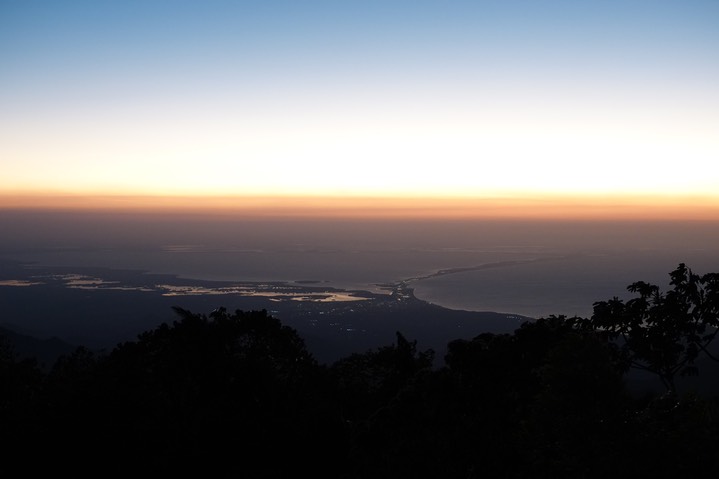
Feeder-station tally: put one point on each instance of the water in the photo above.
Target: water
(564, 285)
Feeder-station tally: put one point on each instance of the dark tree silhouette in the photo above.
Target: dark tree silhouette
(664, 333)
(373, 390)
(223, 395)
(368, 381)
(542, 402)
(239, 395)
(21, 384)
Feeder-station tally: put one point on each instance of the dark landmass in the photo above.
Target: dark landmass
(100, 307)
(239, 395)
(224, 393)
(45, 351)
(60, 308)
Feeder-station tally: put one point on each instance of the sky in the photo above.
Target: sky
(597, 106)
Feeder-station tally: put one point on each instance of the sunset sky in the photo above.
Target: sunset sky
(601, 103)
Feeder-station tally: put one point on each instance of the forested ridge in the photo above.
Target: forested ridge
(238, 394)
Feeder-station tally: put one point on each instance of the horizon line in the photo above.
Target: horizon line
(524, 206)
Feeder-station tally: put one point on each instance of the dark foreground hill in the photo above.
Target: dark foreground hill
(239, 395)
(44, 351)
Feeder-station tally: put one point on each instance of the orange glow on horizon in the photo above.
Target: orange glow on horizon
(519, 207)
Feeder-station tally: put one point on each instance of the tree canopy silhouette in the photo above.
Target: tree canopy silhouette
(239, 395)
(664, 333)
(220, 394)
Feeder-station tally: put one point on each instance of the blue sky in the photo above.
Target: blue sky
(360, 98)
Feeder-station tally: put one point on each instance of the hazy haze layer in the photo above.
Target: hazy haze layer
(562, 266)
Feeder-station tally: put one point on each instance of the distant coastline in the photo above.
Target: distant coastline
(99, 307)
